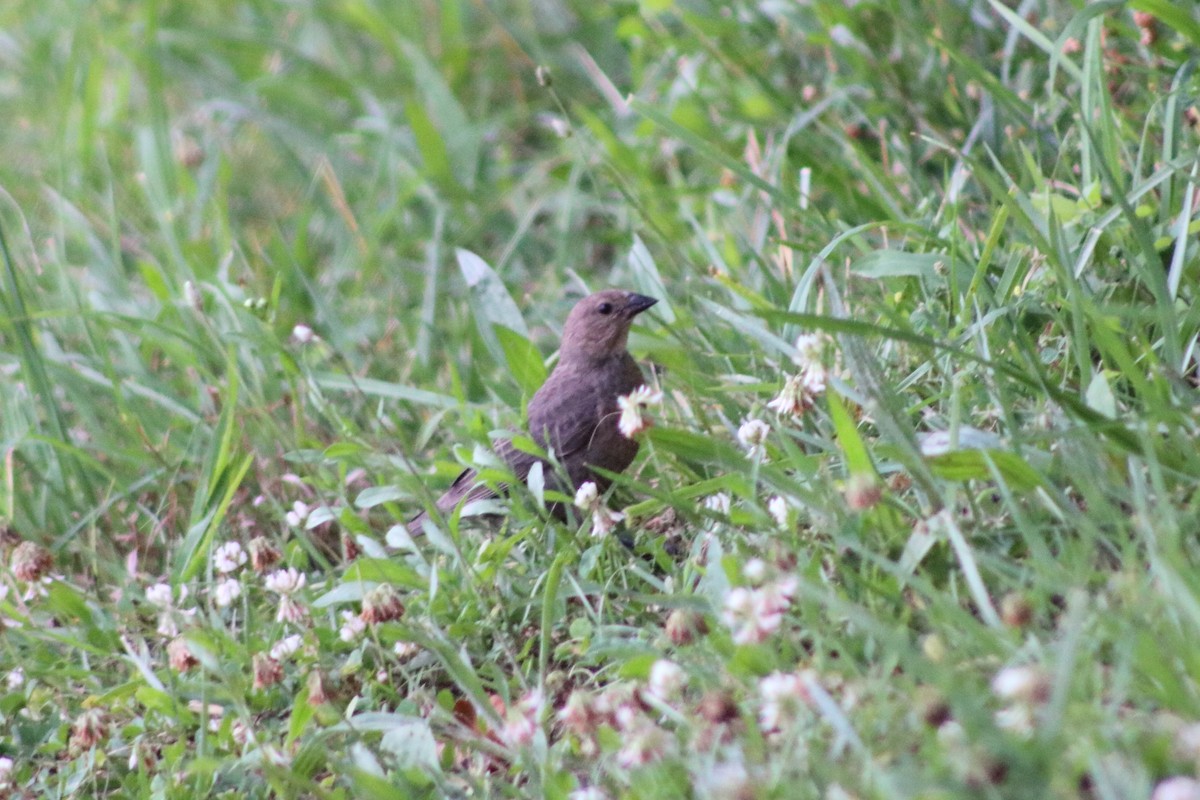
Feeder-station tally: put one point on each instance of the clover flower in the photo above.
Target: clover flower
(587, 499)
(753, 436)
(631, 421)
(784, 696)
(229, 557)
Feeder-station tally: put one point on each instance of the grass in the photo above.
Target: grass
(967, 567)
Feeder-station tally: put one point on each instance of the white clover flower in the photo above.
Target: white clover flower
(753, 435)
(779, 593)
(792, 401)
(604, 519)
(799, 390)
(296, 517)
(1187, 742)
(15, 679)
(729, 779)
(718, 502)
(587, 499)
(286, 647)
(167, 627)
(586, 496)
(557, 125)
(1179, 787)
(667, 679)
(587, 793)
(303, 334)
(159, 595)
(813, 381)
(627, 717)
(6, 769)
(631, 421)
(227, 591)
(784, 696)
(406, 649)
(643, 743)
(290, 610)
(523, 720)
(577, 714)
(754, 570)
(1023, 688)
(1021, 684)
(777, 507)
(1017, 719)
(285, 581)
(39, 589)
(228, 557)
(178, 613)
(353, 626)
(737, 613)
(808, 350)
(753, 615)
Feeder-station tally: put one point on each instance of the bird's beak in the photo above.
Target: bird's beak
(637, 303)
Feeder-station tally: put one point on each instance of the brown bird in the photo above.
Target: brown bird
(575, 412)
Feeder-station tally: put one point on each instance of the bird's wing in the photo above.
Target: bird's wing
(563, 416)
(564, 413)
(467, 487)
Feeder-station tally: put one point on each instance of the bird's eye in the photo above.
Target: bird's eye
(604, 308)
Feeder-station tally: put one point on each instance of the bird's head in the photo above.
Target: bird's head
(598, 325)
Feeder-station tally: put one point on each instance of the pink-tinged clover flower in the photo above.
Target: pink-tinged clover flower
(588, 500)
(631, 421)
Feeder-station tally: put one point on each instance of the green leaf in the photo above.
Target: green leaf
(753, 660)
(1099, 395)
(695, 447)
(430, 144)
(410, 741)
(491, 304)
(964, 465)
(67, 603)
(164, 703)
(345, 592)
(459, 137)
(383, 570)
(386, 389)
(896, 264)
(302, 712)
(858, 460)
(638, 666)
(524, 361)
(377, 496)
(198, 542)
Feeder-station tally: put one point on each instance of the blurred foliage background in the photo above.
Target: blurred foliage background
(988, 206)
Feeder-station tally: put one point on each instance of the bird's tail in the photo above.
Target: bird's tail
(462, 491)
(416, 525)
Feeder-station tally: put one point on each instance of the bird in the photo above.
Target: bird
(575, 412)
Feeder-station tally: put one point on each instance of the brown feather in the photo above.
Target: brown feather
(575, 412)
